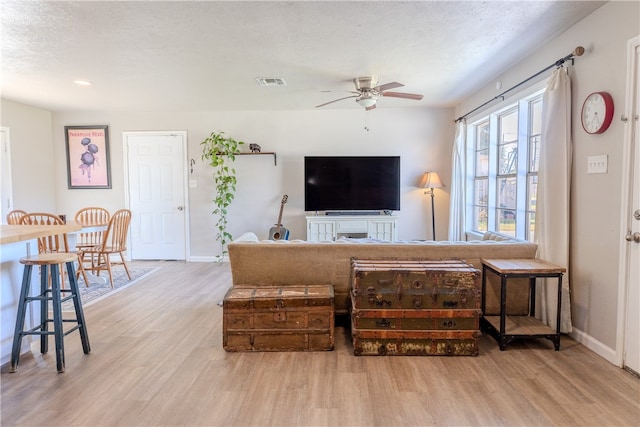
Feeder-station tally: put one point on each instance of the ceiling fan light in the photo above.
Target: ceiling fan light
(366, 102)
(367, 99)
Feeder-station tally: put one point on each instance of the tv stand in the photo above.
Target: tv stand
(352, 213)
(332, 227)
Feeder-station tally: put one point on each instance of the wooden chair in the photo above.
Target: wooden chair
(49, 244)
(57, 243)
(114, 242)
(13, 217)
(87, 217)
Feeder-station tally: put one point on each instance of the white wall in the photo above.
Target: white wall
(33, 165)
(596, 199)
(422, 137)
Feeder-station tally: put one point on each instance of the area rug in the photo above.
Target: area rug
(98, 291)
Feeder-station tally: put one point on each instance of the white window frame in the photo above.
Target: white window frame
(522, 99)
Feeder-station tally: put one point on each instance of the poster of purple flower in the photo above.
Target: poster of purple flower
(88, 156)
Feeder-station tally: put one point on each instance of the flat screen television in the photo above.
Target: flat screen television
(356, 183)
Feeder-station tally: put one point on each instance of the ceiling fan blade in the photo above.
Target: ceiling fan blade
(402, 95)
(336, 100)
(386, 86)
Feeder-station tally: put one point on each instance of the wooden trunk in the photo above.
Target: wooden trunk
(413, 284)
(288, 318)
(415, 307)
(452, 320)
(415, 343)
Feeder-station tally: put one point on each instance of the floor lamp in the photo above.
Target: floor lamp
(431, 180)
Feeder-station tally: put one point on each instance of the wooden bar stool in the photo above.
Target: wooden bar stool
(49, 264)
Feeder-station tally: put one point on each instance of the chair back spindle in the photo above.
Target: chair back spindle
(48, 244)
(13, 217)
(91, 216)
(114, 242)
(116, 234)
(56, 243)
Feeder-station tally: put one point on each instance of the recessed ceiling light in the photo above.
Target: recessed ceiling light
(83, 82)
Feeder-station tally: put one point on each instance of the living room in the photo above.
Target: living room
(422, 136)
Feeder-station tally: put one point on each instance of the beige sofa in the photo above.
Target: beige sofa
(295, 262)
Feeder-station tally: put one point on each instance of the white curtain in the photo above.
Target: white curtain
(458, 182)
(554, 198)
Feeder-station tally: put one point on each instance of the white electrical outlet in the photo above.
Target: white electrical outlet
(597, 164)
(193, 183)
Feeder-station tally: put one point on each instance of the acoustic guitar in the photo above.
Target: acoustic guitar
(278, 232)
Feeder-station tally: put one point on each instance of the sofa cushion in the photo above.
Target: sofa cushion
(498, 237)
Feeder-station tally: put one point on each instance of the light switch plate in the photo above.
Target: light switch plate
(597, 164)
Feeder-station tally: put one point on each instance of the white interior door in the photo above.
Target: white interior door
(156, 175)
(632, 313)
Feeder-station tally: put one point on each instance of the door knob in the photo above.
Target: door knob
(180, 208)
(632, 237)
(636, 214)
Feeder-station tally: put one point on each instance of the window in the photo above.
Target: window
(504, 169)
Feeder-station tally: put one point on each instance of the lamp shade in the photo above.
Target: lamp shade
(430, 180)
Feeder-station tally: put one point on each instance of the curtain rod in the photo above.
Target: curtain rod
(578, 51)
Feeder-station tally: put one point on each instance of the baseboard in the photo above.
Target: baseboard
(607, 353)
(225, 258)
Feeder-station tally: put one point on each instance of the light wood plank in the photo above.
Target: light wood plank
(521, 325)
(157, 360)
(523, 266)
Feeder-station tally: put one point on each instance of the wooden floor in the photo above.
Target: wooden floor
(157, 360)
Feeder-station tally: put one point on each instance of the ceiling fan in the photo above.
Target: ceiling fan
(367, 93)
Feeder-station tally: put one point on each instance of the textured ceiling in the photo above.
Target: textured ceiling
(205, 55)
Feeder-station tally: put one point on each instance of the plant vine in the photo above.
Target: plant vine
(219, 151)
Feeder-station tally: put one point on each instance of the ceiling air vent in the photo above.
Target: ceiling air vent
(271, 81)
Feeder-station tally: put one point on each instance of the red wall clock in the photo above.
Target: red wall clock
(597, 112)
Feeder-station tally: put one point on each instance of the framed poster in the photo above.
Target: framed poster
(88, 156)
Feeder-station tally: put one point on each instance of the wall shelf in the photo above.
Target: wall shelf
(275, 160)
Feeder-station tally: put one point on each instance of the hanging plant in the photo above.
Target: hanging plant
(220, 151)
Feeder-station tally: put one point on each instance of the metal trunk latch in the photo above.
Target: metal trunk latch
(399, 287)
(417, 302)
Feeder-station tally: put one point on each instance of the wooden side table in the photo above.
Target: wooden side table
(507, 328)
